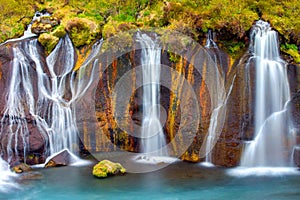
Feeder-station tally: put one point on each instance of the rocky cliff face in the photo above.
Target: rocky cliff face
(101, 129)
(19, 133)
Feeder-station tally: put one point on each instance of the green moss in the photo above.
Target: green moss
(82, 31)
(106, 167)
(48, 41)
(292, 50)
(192, 17)
(59, 31)
(233, 47)
(173, 57)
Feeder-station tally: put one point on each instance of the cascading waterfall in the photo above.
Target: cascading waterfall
(50, 105)
(20, 97)
(63, 124)
(269, 147)
(219, 97)
(153, 139)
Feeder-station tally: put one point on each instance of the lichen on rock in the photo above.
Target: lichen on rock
(106, 167)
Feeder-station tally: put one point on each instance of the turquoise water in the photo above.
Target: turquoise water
(178, 181)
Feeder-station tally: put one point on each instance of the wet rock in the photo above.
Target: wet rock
(294, 109)
(20, 168)
(239, 121)
(61, 159)
(33, 142)
(106, 167)
(296, 156)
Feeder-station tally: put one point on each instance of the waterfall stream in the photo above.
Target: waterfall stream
(269, 148)
(44, 93)
(153, 139)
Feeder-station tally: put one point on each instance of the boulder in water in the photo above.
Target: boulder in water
(63, 158)
(106, 167)
(20, 168)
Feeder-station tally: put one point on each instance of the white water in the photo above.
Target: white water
(63, 123)
(270, 147)
(6, 176)
(153, 139)
(49, 107)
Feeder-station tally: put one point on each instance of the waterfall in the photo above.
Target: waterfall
(21, 104)
(63, 125)
(153, 139)
(219, 98)
(44, 93)
(269, 147)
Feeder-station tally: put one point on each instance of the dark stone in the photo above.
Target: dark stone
(296, 156)
(61, 159)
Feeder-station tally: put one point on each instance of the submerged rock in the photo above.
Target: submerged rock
(106, 167)
(31, 176)
(20, 168)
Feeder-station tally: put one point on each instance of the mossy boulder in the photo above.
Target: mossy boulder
(48, 41)
(106, 167)
(82, 31)
(59, 31)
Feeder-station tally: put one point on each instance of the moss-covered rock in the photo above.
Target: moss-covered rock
(48, 41)
(291, 50)
(59, 31)
(82, 31)
(106, 167)
(112, 28)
